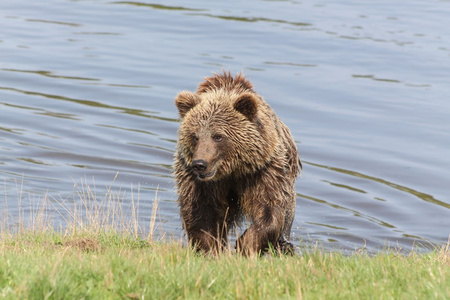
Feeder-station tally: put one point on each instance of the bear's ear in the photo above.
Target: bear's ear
(185, 101)
(247, 104)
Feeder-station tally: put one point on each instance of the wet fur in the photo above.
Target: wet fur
(247, 163)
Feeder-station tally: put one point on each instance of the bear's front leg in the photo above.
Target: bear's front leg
(208, 241)
(205, 228)
(266, 229)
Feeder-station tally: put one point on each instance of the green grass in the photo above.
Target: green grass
(91, 258)
(114, 266)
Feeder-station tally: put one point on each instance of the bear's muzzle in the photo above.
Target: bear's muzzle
(200, 167)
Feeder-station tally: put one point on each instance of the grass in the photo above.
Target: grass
(101, 254)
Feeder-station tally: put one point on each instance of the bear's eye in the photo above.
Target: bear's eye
(194, 138)
(217, 138)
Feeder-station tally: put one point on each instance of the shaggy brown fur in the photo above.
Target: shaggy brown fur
(234, 158)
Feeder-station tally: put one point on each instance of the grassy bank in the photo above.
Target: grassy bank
(113, 266)
(99, 254)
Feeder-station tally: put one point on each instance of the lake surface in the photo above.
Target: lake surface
(87, 94)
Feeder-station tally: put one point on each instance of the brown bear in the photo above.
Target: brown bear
(235, 159)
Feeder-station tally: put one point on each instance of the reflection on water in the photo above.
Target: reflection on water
(253, 19)
(137, 112)
(157, 6)
(54, 22)
(420, 195)
(49, 74)
(390, 80)
(352, 210)
(87, 89)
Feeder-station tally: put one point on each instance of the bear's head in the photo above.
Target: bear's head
(224, 133)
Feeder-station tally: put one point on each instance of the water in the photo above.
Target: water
(87, 90)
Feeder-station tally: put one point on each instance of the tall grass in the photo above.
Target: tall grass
(85, 212)
(101, 252)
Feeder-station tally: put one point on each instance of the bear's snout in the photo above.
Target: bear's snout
(199, 165)
(200, 168)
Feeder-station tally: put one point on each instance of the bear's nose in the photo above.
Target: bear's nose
(199, 165)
